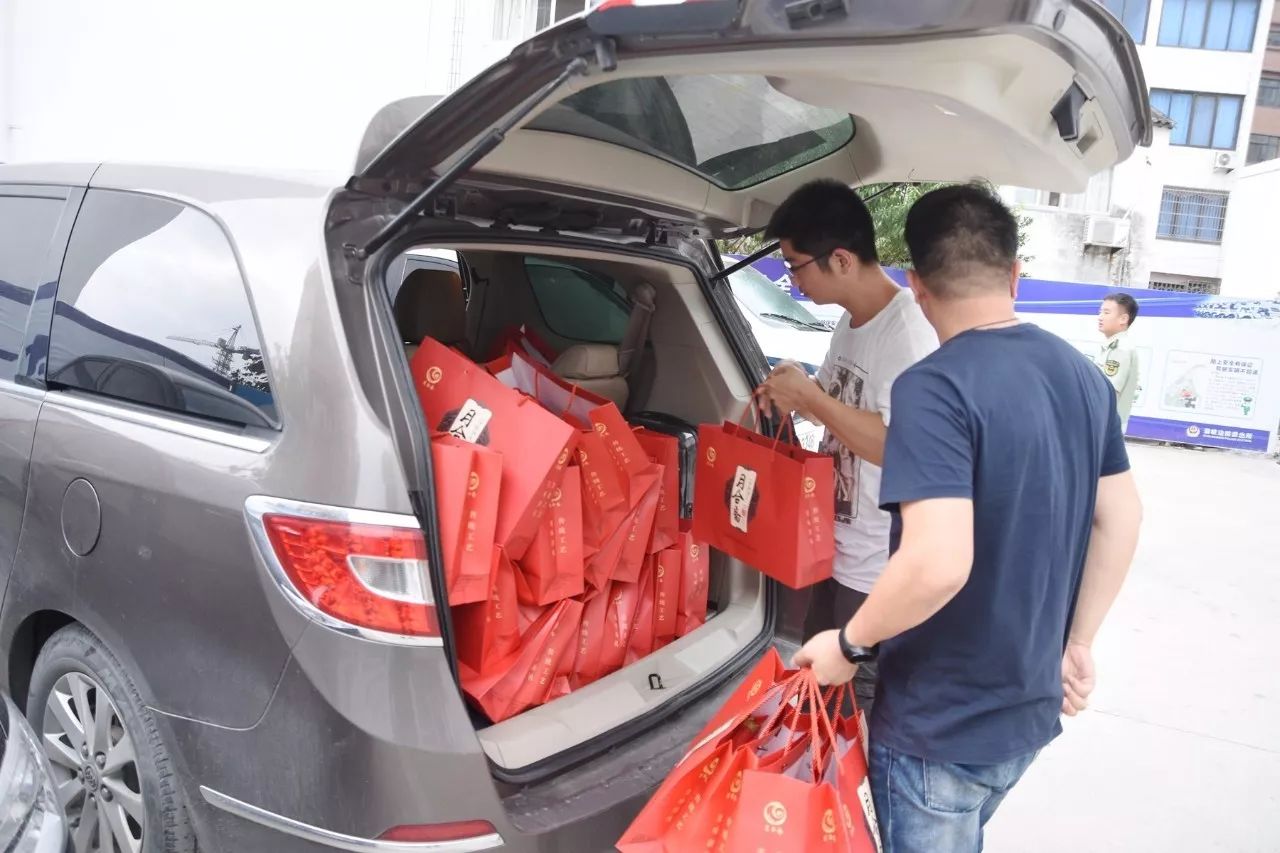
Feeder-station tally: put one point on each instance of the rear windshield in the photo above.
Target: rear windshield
(733, 129)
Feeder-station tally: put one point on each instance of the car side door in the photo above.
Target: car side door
(34, 224)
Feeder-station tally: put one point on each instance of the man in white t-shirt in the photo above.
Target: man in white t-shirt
(828, 244)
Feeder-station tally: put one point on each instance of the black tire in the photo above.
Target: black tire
(166, 827)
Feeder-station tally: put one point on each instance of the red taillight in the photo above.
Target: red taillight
(439, 831)
(369, 575)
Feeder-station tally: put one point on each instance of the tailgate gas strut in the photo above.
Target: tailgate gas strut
(773, 247)
(486, 144)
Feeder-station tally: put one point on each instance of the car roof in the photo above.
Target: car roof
(200, 184)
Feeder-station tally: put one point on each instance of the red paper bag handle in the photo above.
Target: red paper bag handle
(788, 423)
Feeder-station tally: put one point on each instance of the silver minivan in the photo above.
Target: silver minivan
(188, 358)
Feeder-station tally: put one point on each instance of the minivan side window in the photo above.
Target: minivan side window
(152, 310)
(577, 304)
(27, 225)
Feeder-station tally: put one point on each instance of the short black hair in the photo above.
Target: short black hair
(823, 216)
(956, 232)
(1127, 304)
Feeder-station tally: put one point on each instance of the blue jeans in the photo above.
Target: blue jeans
(935, 807)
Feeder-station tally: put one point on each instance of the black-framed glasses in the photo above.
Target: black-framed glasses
(794, 268)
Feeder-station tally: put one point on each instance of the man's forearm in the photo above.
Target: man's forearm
(1111, 548)
(861, 431)
(926, 572)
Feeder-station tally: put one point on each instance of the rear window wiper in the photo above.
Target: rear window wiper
(799, 324)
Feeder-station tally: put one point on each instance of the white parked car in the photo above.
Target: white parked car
(785, 330)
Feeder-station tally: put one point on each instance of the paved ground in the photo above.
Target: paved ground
(1181, 749)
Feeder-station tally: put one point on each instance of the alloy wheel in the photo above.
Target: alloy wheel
(95, 767)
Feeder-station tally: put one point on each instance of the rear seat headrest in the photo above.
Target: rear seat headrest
(587, 361)
(431, 304)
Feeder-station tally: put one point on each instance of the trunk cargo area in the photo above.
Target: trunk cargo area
(679, 372)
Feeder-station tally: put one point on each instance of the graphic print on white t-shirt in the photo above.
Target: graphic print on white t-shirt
(847, 384)
(859, 371)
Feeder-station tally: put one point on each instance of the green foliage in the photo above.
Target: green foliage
(888, 204)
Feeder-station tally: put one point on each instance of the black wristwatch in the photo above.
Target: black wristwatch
(857, 654)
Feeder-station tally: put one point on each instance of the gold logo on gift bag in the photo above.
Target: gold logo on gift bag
(810, 485)
(694, 551)
(755, 688)
(564, 458)
(582, 457)
(736, 786)
(603, 429)
(434, 375)
(473, 483)
(775, 815)
(556, 497)
(829, 822)
(662, 572)
(711, 455)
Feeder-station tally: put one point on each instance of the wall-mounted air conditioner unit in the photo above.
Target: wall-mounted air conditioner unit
(1225, 160)
(1109, 231)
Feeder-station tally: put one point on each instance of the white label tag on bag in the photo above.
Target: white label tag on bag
(471, 421)
(869, 810)
(744, 489)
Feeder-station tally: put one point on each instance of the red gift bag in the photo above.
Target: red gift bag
(490, 629)
(795, 785)
(767, 503)
(664, 450)
(666, 595)
(822, 803)
(603, 564)
(587, 665)
(526, 341)
(467, 479)
(622, 555)
(605, 493)
(695, 582)
(694, 812)
(553, 566)
(763, 679)
(579, 406)
(460, 398)
(619, 621)
(642, 629)
(527, 677)
(639, 525)
(695, 807)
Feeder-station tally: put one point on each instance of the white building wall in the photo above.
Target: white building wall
(1251, 266)
(1137, 185)
(279, 84)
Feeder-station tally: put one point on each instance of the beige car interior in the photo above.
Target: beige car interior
(695, 378)
(923, 110)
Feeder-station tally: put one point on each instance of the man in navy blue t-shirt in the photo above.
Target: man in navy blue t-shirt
(1015, 520)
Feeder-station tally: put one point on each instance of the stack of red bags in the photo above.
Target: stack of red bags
(564, 551)
(780, 767)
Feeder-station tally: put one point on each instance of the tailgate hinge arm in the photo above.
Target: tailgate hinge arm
(491, 140)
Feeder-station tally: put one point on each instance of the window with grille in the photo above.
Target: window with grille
(1209, 24)
(1195, 215)
(1273, 36)
(1209, 286)
(1200, 119)
(1269, 90)
(1263, 147)
(1133, 14)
